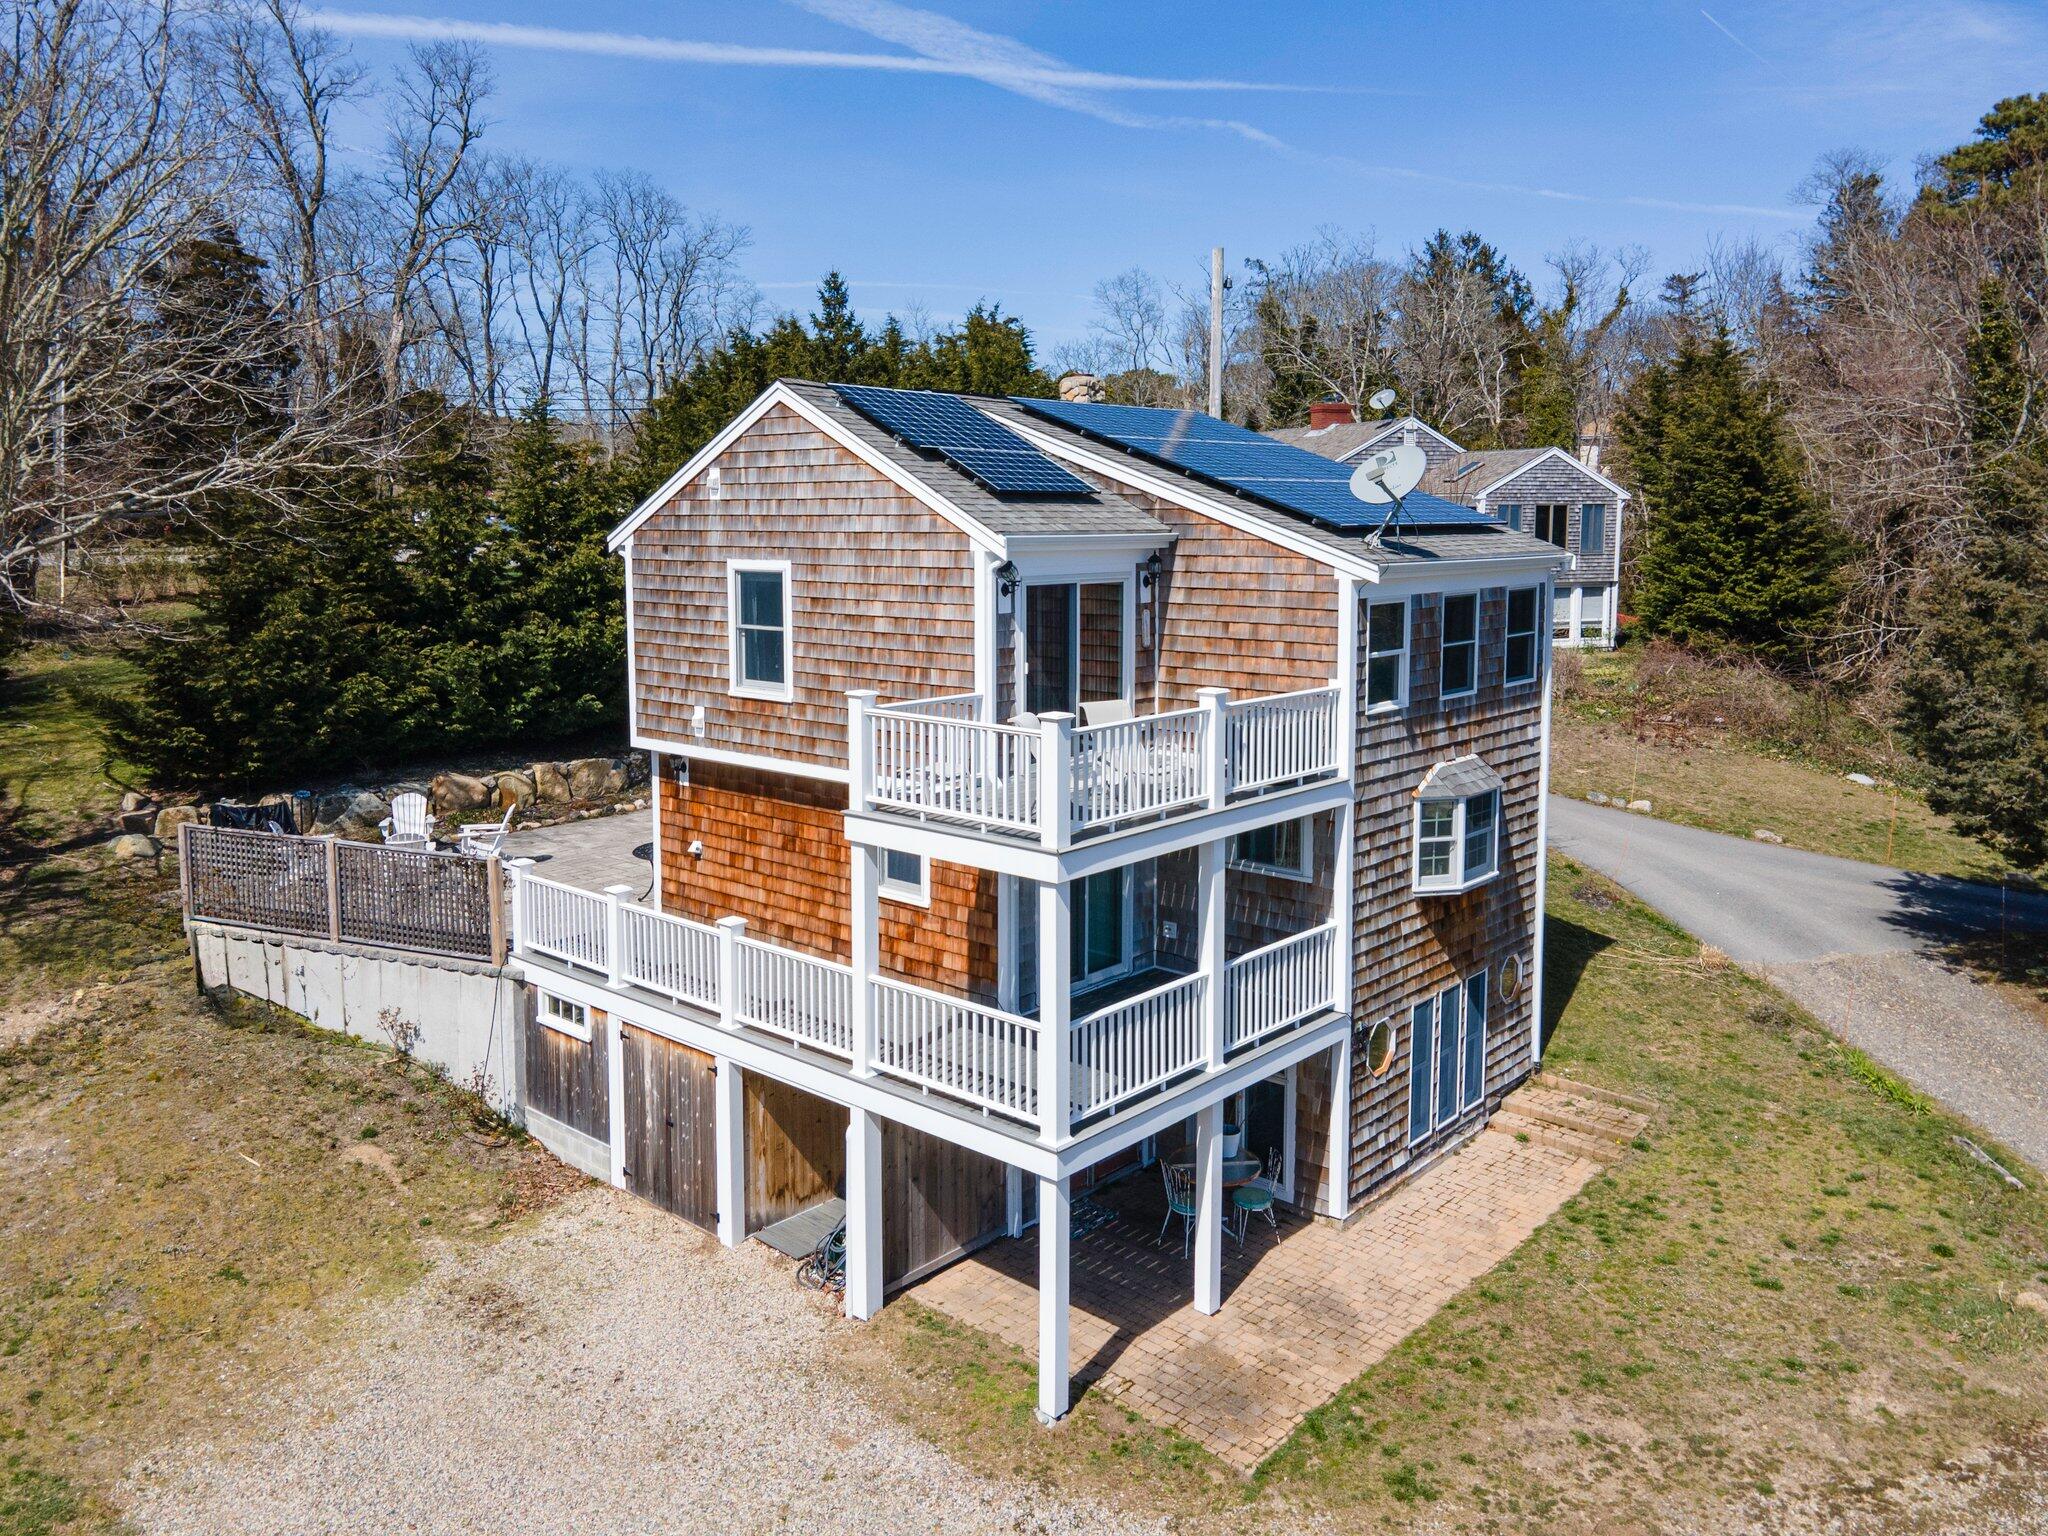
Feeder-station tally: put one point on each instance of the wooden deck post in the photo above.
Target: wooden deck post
(333, 889)
(1055, 1012)
(1215, 706)
(1212, 911)
(730, 1127)
(863, 1214)
(494, 900)
(1055, 1261)
(1209, 1207)
(1056, 781)
(865, 915)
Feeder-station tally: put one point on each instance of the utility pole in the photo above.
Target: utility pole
(1216, 331)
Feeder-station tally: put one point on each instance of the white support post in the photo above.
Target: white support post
(1055, 780)
(1055, 1012)
(1209, 1207)
(1338, 1160)
(515, 900)
(1535, 987)
(730, 1124)
(866, 916)
(730, 931)
(1215, 706)
(1347, 679)
(615, 1093)
(1055, 1262)
(863, 1214)
(1343, 896)
(860, 757)
(654, 772)
(1013, 1200)
(1213, 908)
(615, 934)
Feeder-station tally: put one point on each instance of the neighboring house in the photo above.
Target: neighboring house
(928, 939)
(1544, 491)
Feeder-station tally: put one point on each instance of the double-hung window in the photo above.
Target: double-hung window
(1511, 514)
(1592, 529)
(1386, 655)
(1521, 657)
(758, 619)
(1461, 645)
(1457, 827)
(1446, 1056)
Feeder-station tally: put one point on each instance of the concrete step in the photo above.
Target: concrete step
(1558, 1082)
(1556, 1138)
(1575, 1120)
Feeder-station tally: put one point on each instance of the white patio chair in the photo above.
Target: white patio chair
(1106, 711)
(484, 838)
(408, 825)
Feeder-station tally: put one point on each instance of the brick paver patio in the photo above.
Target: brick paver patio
(1303, 1313)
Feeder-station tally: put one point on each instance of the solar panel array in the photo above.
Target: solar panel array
(1238, 459)
(961, 435)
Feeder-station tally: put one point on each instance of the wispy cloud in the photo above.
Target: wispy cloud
(1714, 22)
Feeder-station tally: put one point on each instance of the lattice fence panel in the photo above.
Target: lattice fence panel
(413, 899)
(257, 879)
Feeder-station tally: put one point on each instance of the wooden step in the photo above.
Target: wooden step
(1559, 1083)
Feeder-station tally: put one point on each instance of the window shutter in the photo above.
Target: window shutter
(1592, 529)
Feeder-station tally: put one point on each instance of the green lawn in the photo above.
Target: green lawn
(1796, 1286)
(52, 765)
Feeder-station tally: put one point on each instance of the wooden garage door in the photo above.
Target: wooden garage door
(671, 1111)
(938, 1201)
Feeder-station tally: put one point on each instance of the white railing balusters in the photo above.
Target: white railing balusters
(799, 997)
(956, 1047)
(1142, 767)
(1282, 737)
(1138, 1044)
(1281, 984)
(562, 920)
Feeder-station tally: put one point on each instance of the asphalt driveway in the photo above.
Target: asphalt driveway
(1858, 944)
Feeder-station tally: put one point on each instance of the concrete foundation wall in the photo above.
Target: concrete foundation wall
(467, 1015)
(586, 1154)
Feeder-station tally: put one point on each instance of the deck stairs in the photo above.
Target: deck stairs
(1568, 1116)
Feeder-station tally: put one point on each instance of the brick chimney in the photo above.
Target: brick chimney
(1329, 413)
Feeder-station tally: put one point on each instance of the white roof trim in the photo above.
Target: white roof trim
(779, 393)
(1543, 458)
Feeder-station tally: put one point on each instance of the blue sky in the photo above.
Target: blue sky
(952, 151)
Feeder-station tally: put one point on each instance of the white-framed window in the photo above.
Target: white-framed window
(757, 619)
(1511, 514)
(1386, 655)
(1457, 841)
(1521, 660)
(1446, 1056)
(1460, 666)
(906, 877)
(1593, 529)
(1281, 849)
(565, 1017)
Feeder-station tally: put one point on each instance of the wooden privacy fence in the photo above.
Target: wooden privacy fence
(358, 893)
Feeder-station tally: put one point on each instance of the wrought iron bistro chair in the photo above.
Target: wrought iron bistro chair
(407, 825)
(1180, 1200)
(1252, 1199)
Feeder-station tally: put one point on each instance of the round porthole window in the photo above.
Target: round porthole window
(1510, 978)
(1379, 1048)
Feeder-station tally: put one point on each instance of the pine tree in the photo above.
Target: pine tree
(1737, 553)
(1975, 693)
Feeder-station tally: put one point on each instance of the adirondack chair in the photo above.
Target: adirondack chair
(482, 839)
(408, 825)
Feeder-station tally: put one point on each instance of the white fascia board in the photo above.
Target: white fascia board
(1053, 547)
(780, 394)
(1468, 575)
(1193, 501)
(1396, 427)
(1544, 458)
(796, 766)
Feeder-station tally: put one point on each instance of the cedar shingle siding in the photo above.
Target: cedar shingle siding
(1556, 482)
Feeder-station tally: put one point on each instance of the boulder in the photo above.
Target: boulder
(135, 800)
(513, 788)
(1861, 778)
(549, 782)
(140, 819)
(635, 765)
(358, 819)
(1766, 835)
(1639, 805)
(453, 792)
(593, 778)
(131, 847)
(1597, 798)
(172, 817)
(333, 804)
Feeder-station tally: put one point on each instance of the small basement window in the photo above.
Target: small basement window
(565, 1017)
(904, 877)
(1457, 827)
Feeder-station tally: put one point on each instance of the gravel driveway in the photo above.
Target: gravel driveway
(608, 1371)
(1856, 944)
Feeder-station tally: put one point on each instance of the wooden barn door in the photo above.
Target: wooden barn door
(671, 1127)
(938, 1202)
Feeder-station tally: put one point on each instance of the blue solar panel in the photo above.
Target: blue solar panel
(1290, 478)
(957, 432)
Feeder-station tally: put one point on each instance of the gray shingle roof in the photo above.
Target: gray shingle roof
(1104, 513)
(1336, 442)
(1463, 478)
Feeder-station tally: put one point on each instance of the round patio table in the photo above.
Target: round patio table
(1236, 1170)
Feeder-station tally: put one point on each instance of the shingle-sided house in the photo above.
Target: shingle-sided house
(1049, 790)
(1544, 491)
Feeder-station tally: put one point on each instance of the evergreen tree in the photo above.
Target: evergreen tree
(1975, 693)
(1292, 382)
(2007, 161)
(1736, 552)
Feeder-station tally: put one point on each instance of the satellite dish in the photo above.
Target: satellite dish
(1389, 474)
(1381, 400)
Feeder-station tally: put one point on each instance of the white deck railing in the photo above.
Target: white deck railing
(563, 921)
(1149, 766)
(1054, 782)
(798, 997)
(1281, 984)
(670, 955)
(1282, 738)
(982, 1055)
(1139, 1044)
